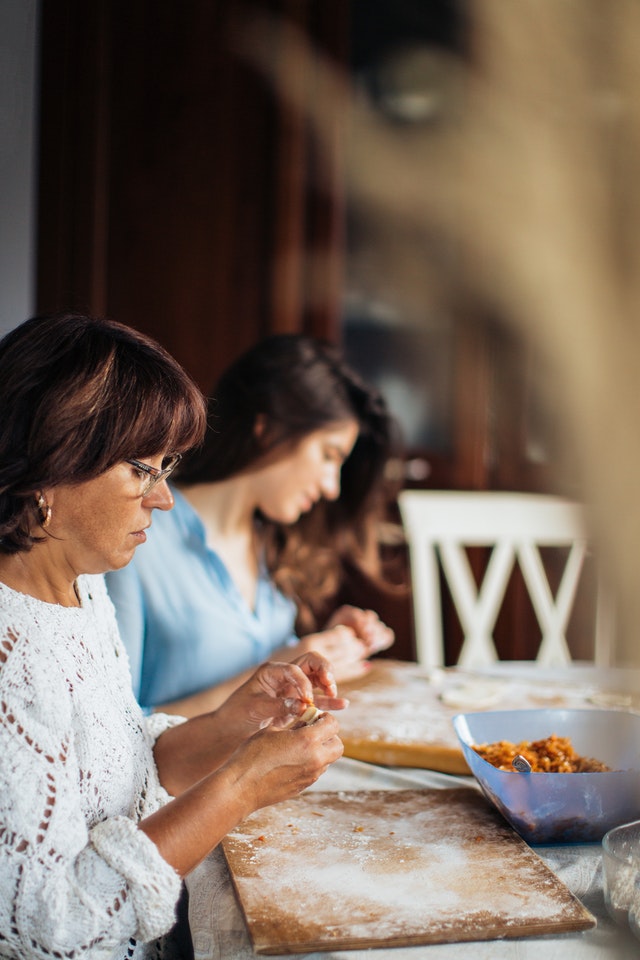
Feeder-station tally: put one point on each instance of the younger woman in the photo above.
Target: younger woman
(285, 487)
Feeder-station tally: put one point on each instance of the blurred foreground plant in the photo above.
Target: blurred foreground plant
(535, 180)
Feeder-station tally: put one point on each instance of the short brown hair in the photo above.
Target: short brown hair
(78, 395)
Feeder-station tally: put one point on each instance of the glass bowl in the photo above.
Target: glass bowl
(560, 807)
(621, 873)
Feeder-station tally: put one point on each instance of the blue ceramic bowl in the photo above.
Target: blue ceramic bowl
(560, 807)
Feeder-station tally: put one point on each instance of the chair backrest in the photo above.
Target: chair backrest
(440, 525)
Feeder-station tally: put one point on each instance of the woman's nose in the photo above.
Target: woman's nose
(160, 497)
(331, 484)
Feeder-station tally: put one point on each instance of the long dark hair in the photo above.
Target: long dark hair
(298, 384)
(77, 396)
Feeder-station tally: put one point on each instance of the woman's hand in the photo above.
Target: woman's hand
(277, 693)
(341, 647)
(264, 769)
(366, 625)
(275, 765)
(273, 697)
(351, 636)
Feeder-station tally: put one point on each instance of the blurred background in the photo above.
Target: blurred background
(444, 187)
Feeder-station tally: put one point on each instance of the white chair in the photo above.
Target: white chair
(440, 525)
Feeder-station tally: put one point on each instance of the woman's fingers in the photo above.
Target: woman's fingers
(366, 625)
(319, 671)
(280, 764)
(280, 692)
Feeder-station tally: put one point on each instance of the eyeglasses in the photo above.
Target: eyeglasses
(151, 476)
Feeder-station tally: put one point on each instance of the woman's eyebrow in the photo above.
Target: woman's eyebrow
(342, 452)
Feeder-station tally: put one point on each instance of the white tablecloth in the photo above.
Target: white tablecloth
(219, 932)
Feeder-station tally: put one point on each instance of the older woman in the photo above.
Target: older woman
(101, 811)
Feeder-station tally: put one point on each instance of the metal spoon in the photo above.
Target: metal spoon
(521, 764)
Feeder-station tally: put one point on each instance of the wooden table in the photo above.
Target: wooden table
(219, 931)
(401, 714)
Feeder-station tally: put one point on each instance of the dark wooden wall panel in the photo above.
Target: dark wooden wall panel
(177, 192)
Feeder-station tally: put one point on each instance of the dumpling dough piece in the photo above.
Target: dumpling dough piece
(472, 695)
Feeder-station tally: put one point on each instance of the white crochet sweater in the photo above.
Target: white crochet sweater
(77, 878)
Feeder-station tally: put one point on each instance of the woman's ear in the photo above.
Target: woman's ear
(260, 425)
(267, 434)
(261, 428)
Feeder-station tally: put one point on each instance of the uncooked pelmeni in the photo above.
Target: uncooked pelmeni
(310, 715)
(473, 695)
(604, 699)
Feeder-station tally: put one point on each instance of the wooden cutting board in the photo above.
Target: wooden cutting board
(400, 714)
(385, 868)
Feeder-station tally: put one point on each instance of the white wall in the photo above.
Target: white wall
(18, 105)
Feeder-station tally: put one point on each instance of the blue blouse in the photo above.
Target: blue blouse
(185, 624)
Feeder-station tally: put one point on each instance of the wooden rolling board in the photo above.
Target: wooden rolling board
(400, 714)
(383, 868)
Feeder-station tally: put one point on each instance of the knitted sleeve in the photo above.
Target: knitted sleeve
(77, 876)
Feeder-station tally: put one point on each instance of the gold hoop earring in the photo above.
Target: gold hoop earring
(44, 512)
